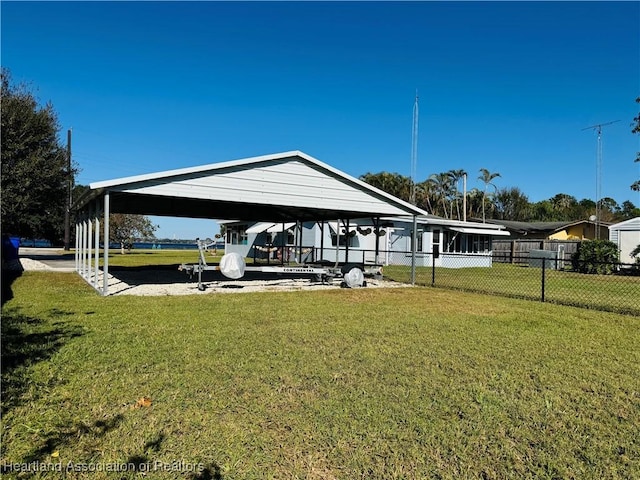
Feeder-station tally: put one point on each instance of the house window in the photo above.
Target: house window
(466, 243)
(452, 242)
(480, 243)
(237, 235)
(419, 239)
(343, 240)
(277, 238)
(435, 242)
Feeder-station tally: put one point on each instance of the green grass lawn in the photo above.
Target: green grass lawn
(142, 258)
(367, 383)
(615, 293)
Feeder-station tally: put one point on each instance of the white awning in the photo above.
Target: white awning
(481, 231)
(260, 227)
(277, 227)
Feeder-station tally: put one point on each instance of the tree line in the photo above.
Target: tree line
(441, 194)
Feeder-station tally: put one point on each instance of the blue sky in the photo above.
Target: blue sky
(506, 86)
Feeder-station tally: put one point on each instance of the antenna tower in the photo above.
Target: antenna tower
(598, 130)
(414, 150)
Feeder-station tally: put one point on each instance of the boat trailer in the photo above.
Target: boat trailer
(233, 266)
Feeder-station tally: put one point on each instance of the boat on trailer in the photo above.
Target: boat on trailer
(233, 266)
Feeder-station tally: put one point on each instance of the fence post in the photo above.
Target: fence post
(433, 269)
(544, 264)
(414, 244)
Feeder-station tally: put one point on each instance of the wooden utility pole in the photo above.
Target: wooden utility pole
(67, 210)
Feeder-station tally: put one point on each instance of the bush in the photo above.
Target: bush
(596, 256)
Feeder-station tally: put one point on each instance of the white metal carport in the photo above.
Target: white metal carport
(278, 188)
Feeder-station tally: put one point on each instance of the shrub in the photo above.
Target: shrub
(596, 256)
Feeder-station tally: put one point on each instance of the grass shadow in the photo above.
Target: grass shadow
(25, 342)
(9, 275)
(65, 435)
(143, 462)
(210, 472)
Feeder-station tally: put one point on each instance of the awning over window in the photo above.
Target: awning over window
(277, 227)
(481, 231)
(260, 227)
(269, 227)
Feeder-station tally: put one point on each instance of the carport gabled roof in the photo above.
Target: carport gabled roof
(279, 187)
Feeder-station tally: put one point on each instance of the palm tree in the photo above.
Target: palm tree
(424, 194)
(486, 177)
(456, 176)
(474, 203)
(442, 186)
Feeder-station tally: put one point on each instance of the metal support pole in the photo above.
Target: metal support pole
(105, 263)
(90, 236)
(89, 247)
(83, 248)
(321, 241)
(414, 242)
(201, 268)
(338, 243)
(96, 267)
(376, 231)
(87, 244)
(299, 222)
(79, 269)
(283, 242)
(544, 263)
(348, 239)
(76, 251)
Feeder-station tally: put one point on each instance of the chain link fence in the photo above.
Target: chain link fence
(611, 287)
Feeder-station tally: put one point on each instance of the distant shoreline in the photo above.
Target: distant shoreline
(160, 245)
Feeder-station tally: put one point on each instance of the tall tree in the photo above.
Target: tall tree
(629, 210)
(126, 228)
(512, 204)
(425, 195)
(456, 176)
(486, 177)
(474, 203)
(442, 188)
(34, 170)
(564, 206)
(542, 211)
(392, 183)
(609, 209)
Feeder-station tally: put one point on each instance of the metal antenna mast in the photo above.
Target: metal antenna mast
(414, 151)
(598, 129)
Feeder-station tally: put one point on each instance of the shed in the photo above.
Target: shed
(277, 188)
(626, 235)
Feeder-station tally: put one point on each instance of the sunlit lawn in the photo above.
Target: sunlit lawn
(367, 383)
(616, 293)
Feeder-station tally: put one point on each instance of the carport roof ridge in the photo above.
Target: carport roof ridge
(151, 185)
